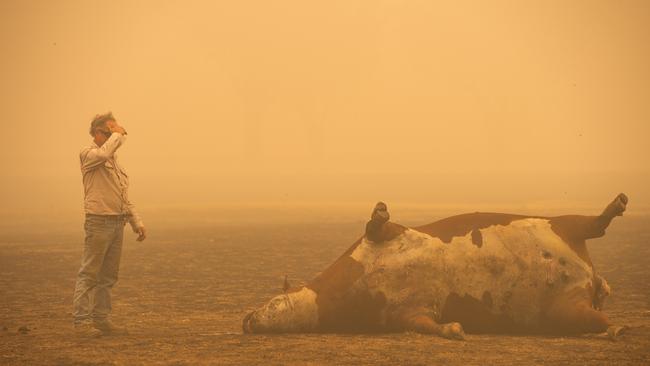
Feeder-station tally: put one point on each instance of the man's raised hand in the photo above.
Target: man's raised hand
(114, 127)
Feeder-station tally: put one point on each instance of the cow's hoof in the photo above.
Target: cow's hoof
(617, 207)
(615, 331)
(380, 213)
(453, 331)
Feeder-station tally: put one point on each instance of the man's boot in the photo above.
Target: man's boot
(86, 330)
(107, 327)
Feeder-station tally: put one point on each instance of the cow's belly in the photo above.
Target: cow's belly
(516, 271)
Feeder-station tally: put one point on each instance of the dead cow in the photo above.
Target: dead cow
(478, 272)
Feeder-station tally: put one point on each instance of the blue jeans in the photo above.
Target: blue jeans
(100, 265)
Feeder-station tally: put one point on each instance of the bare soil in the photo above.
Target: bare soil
(183, 293)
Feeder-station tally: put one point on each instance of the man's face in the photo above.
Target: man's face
(103, 133)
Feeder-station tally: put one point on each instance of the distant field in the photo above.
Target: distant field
(184, 292)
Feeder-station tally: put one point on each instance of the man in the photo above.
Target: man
(107, 208)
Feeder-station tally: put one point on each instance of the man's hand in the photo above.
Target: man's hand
(114, 127)
(142, 233)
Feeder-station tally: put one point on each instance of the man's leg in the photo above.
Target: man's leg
(95, 245)
(107, 278)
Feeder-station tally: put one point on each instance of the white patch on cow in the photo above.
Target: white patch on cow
(520, 266)
(293, 312)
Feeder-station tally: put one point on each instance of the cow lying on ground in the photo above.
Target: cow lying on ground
(478, 272)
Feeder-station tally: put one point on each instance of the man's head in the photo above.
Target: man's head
(100, 127)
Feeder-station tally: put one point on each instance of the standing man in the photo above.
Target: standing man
(107, 208)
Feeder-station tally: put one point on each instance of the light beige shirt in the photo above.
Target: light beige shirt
(106, 184)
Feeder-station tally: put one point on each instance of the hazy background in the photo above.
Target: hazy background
(459, 104)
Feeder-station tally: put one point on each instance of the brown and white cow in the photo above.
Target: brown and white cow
(479, 272)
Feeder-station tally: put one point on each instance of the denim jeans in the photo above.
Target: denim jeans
(100, 265)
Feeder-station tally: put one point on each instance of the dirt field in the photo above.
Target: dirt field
(183, 294)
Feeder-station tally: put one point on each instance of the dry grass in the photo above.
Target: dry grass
(183, 294)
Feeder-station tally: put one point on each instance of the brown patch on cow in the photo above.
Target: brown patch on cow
(342, 309)
(477, 238)
(461, 225)
(574, 230)
(475, 315)
(339, 276)
(354, 312)
(379, 232)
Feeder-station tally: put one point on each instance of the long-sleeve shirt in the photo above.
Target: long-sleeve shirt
(106, 184)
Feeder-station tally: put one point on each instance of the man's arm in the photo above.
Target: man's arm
(136, 222)
(93, 157)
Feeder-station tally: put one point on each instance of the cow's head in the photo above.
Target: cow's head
(292, 312)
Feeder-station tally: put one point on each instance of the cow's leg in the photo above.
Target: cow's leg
(379, 229)
(578, 228)
(573, 314)
(418, 320)
(600, 223)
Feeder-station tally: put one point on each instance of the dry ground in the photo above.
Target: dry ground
(184, 291)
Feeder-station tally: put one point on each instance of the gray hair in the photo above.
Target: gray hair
(100, 121)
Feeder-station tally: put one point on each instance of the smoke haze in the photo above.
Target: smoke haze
(290, 102)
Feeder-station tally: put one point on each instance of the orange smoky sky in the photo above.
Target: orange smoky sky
(436, 102)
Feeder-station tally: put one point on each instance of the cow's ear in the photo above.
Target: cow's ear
(286, 286)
